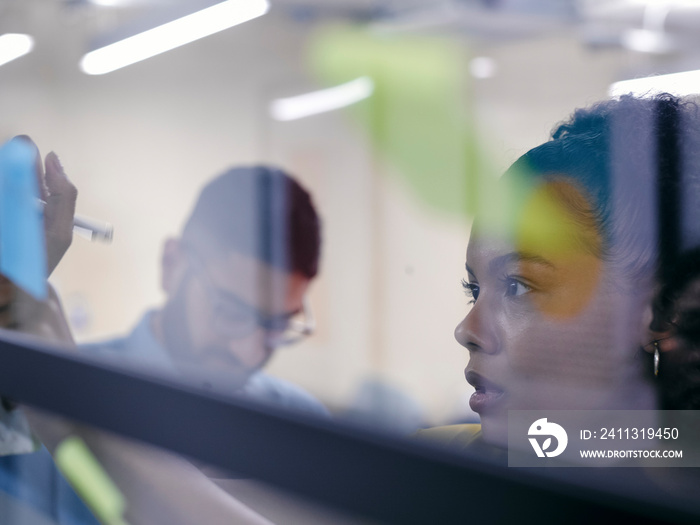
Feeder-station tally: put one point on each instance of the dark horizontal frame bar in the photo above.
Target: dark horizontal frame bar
(357, 471)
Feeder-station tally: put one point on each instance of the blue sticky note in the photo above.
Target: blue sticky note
(22, 244)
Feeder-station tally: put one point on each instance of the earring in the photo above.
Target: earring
(657, 357)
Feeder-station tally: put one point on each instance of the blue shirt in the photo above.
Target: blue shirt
(34, 481)
(142, 348)
(29, 476)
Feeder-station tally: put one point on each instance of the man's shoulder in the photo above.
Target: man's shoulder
(140, 342)
(115, 344)
(270, 389)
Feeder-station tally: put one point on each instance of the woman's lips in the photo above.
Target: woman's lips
(487, 396)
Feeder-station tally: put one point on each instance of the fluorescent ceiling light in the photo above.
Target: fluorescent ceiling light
(686, 83)
(171, 35)
(106, 3)
(482, 67)
(14, 45)
(648, 41)
(337, 97)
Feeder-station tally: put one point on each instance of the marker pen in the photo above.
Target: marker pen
(89, 228)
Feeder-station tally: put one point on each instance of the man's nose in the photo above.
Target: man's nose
(476, 332)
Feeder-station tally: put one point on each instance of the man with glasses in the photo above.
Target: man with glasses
(236, 282)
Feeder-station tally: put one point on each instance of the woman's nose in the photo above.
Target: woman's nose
(476, 332)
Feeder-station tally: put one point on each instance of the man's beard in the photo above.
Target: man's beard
(214, 367)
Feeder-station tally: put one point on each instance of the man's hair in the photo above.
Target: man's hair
(260, 212)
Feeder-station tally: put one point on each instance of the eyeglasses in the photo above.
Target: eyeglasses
(234, 318)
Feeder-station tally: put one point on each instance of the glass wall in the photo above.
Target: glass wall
(275, 204)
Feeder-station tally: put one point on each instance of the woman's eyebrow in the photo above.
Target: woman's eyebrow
(469, 270)
(501, 261)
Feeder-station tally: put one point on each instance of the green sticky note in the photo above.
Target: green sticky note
(90, 481)
(419, 118)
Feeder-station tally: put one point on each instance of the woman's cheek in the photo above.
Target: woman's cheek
(519, 325)
(579, 351)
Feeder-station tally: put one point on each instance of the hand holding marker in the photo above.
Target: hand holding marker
(89, 228)
(54, 184)
(32, 243)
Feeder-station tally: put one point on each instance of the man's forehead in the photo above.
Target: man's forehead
(255, 280)
(240, 265)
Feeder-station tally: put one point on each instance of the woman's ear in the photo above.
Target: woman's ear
(647, 335)
(655, 328)
(173, 265)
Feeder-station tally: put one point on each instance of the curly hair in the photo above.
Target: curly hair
(637, 162)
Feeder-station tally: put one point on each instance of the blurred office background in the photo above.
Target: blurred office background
(450, 93)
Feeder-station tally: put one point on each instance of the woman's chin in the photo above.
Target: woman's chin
(494, 429)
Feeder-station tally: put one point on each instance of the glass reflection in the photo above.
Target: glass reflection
(317, 275)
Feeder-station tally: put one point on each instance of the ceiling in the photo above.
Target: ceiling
(601, 22)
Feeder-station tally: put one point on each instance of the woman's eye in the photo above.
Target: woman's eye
(471, 289)
(515, 288)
